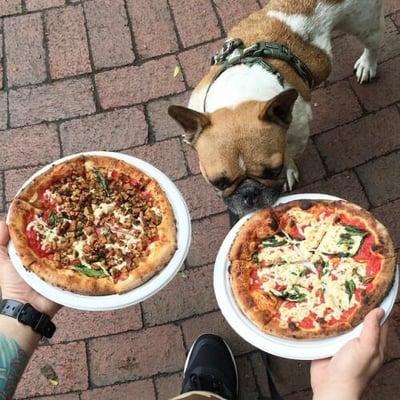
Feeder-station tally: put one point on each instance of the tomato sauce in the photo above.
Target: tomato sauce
(33, 240)
(345, 316)
(256, 284)
(346, 220)
(307, 323)
(366, 253)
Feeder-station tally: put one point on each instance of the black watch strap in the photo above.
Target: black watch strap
(28, 315)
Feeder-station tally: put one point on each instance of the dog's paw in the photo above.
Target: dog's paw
(292, 177)
(365, 69)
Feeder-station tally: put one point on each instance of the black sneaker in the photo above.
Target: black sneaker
(211, 367)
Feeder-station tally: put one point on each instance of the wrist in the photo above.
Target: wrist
(40, 304)
(347, 391)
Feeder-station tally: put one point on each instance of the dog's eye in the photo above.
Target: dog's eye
(222, 183)
(271, 173)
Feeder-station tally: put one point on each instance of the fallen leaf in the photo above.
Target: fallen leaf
(177, 71)
(48, 372)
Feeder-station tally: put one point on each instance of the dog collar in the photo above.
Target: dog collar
(234, 53)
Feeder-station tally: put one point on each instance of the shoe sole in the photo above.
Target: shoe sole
(232, 357)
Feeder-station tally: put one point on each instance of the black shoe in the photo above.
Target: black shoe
(211, 367)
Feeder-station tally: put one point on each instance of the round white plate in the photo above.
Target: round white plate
(141, 293)
(286, 348)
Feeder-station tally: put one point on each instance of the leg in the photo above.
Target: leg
(292, 175)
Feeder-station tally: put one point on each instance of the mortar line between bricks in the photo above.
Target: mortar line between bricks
(360, 103)
(185, 345)
(362, 187)
(185, 160)
(175, 27)
(255, 378)
(182, 72)
(325, 167)
(137, 59)
(45, 45)
(151, 136)
(23, 7)
(5, 77)
(153, 380)
(3, 190)
(87, 352)
(58, 128)
(219, 19)
(40, 396)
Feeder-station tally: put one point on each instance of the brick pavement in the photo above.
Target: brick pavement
(99, 75)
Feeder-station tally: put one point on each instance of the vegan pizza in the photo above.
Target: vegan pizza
(310, 269)
(93, 225)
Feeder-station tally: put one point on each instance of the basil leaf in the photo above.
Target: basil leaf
(254, 258)
(350, 288)
(93, 273)
(355, 231)
(53, 219)
(273, 242)
(305, 272)
(102, 181)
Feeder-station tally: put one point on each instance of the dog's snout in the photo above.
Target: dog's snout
(250, 195)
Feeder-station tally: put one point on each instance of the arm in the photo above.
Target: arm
(350, 370)
(17, 341)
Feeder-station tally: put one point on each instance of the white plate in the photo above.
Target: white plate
(286, 348)
(148, 289)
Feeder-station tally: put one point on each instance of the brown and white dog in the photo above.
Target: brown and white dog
(247, 127)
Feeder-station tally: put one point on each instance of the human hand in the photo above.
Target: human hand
(348, 372)
(13, 286)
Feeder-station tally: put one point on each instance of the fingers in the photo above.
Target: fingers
(4, 237)
(371, 333)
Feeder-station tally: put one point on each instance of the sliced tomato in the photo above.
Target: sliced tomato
(46, 202)
(307, 323)
(35, 245)
(115, 174)
(295, 233)
(256, 283)
(369, 287)
(289, 304)
(346, 220)
(358, 294)
(279, 288)
(345, 316)
(134, 182)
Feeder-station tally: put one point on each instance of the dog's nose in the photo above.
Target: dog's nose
(249, 195)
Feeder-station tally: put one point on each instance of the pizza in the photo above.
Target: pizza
(311, 269)
(93, 225)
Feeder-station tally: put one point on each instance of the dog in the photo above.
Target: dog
(249, 117)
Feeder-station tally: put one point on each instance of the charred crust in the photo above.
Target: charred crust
(293, 326)
(305, 204)
(274, 224)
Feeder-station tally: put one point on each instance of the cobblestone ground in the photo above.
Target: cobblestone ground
(99, 74)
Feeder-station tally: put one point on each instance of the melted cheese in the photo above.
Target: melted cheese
(331, 243)
(102, 209)
(49, 236)
(281, 254)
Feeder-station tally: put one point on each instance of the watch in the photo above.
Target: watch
(28, 315)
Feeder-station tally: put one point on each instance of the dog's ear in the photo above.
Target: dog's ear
(279, 109)
(192, 122)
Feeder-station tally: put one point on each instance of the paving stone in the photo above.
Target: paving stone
(192, 159)
(216, 324)
(3, 110)
(162, 124)
(168, 386)
(383, 91)
(310, 165)
(247, 382)
(8, 7)
(69, 396)
(195, 27)
(396, 19)
(167, 156)
(390, 6)
(1, 197)
(50, 102)
(109, 35)
(135, 84)
(196, 296)
(389, 215)
(334, 105)
(68, 362)
(360, 141)
(24, 50)
(153, 26)
(207, 237)
(196, 62)
(113, 130)
(41, 148)
(76, 325)
(14, 178)
(143, 390)
(344, 185)
(200, 197)
(393, 342)
(379, 178)
(67, 42)
(33, 5)
(138, 355)
(233, 11)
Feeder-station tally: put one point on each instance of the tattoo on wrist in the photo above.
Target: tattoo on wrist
(13, 361)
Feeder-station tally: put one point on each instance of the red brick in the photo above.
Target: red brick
(386, 384)
(132, 85)
(167, 156)
(68, 362)
(75, 325)
(396, 19)
(67, 42)
(168, 386)
(50, 102)
(3, 110)
(233, 11)
(216, 324)
(353, 144)
(153, 25)
(200, 197)
(109, 33)
(29, 146)
(383, 91)
(143, 390)
(347, 49)
(310, 165)
(196, 62)
(14, 178)
(8, 7)
(380, 178)
(138, 354)
(344, 185)
(195, 20)
(247, 383)
(1, 197)
(196, 296)
(334, 105)
(33, 5)
(208, 235)
(162, 124)
(69, 396)
(113, 130)
(389, 215)
(391, 6)
(24, 50)
(192, 159)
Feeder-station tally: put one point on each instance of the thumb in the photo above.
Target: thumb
(371, 332)
(4, 237)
